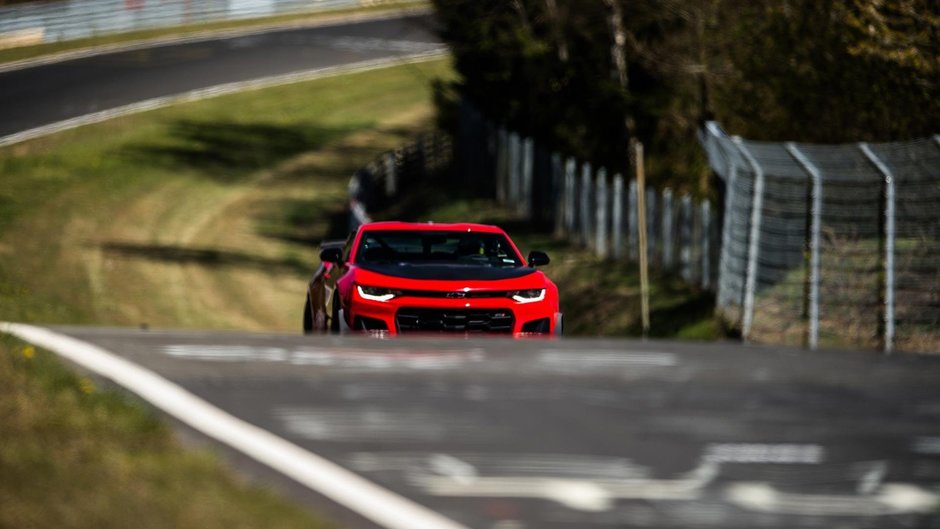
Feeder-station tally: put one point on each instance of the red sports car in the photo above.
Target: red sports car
(400, 277)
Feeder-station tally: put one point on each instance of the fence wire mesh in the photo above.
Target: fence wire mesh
(843, 248)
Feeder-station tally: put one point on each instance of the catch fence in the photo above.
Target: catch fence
(39, 22)
(830, 245)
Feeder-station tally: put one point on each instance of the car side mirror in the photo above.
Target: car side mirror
(331, 255)
(537, 258)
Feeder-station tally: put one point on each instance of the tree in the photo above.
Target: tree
(586, 75)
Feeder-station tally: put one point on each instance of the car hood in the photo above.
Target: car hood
(443, 272)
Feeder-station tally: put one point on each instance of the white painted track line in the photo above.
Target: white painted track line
(218, 90)
(379, 505)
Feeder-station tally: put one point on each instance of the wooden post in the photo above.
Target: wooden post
(641, 234)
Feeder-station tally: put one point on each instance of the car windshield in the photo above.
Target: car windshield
(437, 247)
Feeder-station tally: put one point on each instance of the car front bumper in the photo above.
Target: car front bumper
(440, 315)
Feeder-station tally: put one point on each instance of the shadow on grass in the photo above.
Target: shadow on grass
(227, 152)
(306, 221)
(208, 257)
(691, 308)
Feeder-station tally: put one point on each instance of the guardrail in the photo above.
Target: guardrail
(38, 22)
(830, 244)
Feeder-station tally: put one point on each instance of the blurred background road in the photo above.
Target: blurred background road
(40, 95)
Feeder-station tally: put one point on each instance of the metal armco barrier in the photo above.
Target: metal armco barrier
(379, 182)
(36, 22)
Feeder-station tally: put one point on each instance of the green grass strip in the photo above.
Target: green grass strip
(76, 455)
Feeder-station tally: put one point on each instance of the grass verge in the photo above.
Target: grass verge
(74, 455)
(201, 215)
(114, 39)
(206, 214)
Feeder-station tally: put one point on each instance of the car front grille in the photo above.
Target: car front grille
(455, 320)
(458, 294)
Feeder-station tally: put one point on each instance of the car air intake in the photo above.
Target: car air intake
(454, 320)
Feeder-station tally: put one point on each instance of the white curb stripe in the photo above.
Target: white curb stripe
(380, 505)
(218, 90)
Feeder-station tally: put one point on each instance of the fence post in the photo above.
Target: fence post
(502, 166)
(617, 218)
(570, 177)
(422, 155)
(558, 193)
(724, 275)
(391, 185)
(889, 219)
(814, 244)
(757, 205)
(669, 239)
(642, 233)
(632, 220)
(706, 245)
(651, 234)
(601, 204)
(685, 238)
(515, 168)
(585, 219)
(525, 188)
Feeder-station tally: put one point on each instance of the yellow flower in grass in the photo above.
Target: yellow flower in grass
(29, 351)
(86, 386)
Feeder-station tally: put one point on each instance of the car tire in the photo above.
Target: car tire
(335, 314)
(338, 323)
(308, 317)
(559, 324)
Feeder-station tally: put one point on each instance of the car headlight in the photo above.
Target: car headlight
(377, 293)
(528, 296)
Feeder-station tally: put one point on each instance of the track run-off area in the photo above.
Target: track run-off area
(486, 433)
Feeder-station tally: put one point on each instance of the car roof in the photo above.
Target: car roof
(430, 226)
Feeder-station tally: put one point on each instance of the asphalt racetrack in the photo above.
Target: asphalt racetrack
(581, 433)
(435, 433)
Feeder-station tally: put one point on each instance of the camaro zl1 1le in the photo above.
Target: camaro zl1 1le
(399, 277)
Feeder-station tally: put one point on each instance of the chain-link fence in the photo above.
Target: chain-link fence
(37, 22)
(830, 245)
(584, 203)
